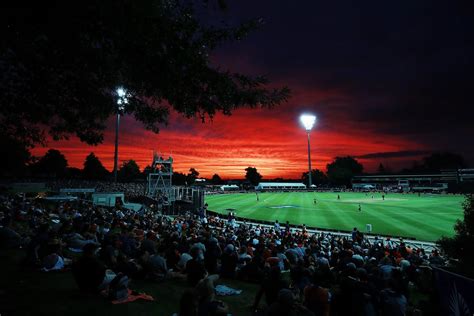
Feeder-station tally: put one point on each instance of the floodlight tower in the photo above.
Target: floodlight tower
(308, 121)
(122, 101)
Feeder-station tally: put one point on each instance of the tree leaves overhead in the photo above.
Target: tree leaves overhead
(60, 62)
(13, 163)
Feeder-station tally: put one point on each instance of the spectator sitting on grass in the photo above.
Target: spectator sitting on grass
(156, 264)
(195, 269)
(213, 254)
(392, 301)
(287, 305)
(89, 272)
(271, 285)
(36, 249)
(317, 298)
(9, 238)
(207, 303)
(150, 242)
(188, 304)
(229, 262)
(244, 257)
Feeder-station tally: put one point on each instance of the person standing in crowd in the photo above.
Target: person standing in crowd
(276, 226)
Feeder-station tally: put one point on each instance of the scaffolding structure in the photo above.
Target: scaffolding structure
(160, 179)
(160, 186)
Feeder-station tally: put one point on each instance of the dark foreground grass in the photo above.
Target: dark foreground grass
(426, 217)
(27, 292)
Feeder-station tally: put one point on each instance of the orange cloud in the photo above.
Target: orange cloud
(269, 139)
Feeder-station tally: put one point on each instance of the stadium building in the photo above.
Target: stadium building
(265, 186)
(229, 187)
(433, 182)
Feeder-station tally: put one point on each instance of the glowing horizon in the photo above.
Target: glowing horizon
(260, 138)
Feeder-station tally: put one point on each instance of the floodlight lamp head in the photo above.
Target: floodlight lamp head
(122, 99)
(308, 121)
(121, 92)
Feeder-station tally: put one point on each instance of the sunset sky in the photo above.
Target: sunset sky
(389, 83)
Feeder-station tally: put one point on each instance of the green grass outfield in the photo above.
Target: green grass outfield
(426, 217)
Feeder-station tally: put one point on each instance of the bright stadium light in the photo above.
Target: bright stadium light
(121, 92)
(308, 121)
(122, 101)
(122, 98)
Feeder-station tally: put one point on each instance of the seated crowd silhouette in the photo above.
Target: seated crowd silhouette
(298, 273)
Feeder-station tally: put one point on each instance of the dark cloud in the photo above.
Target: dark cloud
(395, 154)
(401, 68)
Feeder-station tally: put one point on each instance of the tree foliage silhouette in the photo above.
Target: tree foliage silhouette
(216, 179)
(342, 169)
(129, 171)
(192, 176)
(93, 168)
(60, 64)
(252, 175)
(14, 162)
(179, 178)
(317, 177)
(461, 245)
(52, 164)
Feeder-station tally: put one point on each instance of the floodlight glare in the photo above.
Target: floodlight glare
(308, 121)
(122, 99)
(121, 92)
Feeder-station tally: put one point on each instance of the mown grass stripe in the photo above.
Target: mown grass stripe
(424, 217)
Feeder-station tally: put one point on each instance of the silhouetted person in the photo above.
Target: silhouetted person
(88, 271)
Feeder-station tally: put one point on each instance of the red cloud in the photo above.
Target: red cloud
(270, 140)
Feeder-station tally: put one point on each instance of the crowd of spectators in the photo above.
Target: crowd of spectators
(130, 189)
(298, 273)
